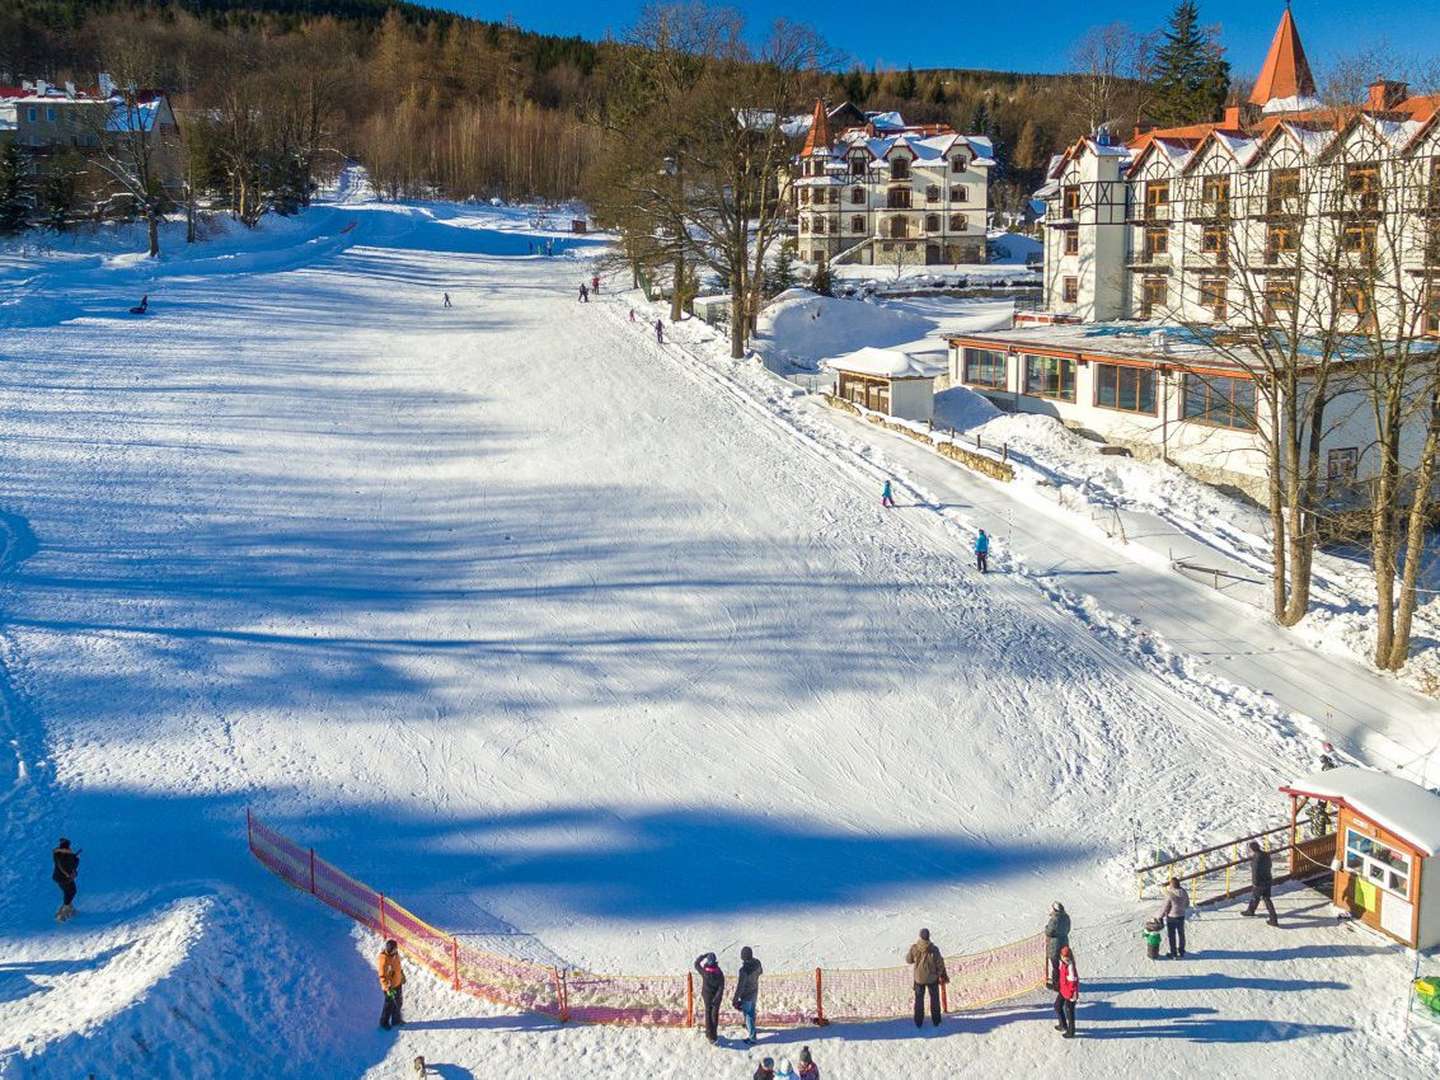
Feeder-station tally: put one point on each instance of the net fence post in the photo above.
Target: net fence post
(820, 1020)
(382, 916)
(455, 962)
(944, 996)
(689, 999)
(312, 872)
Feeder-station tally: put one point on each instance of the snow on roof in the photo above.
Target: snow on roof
(1399, 806)
(1240, 146)
(886, 121)
(1398, 133)
(1298, 103)
(883, 364)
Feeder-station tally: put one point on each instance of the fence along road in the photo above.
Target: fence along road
(790, 999)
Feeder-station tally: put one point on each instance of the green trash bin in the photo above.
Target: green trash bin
(1428, 991)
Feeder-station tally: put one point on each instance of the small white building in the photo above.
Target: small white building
(888, 381)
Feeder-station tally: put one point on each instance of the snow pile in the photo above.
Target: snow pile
(884, 363)
(802, 328)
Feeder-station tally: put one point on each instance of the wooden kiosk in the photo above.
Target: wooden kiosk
(1386, 870)
(886, 381)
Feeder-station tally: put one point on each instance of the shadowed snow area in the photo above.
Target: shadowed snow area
(513, 617)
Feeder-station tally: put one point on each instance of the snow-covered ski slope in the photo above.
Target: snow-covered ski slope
(568, 641)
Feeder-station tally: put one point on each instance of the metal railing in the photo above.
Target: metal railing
(1210, 874)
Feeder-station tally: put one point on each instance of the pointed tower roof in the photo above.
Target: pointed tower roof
(818, 138)
(1286, 73)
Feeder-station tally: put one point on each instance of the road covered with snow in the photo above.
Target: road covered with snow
(573, 642)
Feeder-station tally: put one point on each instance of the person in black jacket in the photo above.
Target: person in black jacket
(747, 990)
(1261, 879)
(712, 992)
(67, 866)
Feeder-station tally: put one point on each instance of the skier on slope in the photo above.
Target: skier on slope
(392, 982)
(595, 284)
(887, 497)
(584, 294)
(712, 991)
(67, 866)
(1057, 936)
(659, 332)
(747, 990)
(447, 300)
(982, 552)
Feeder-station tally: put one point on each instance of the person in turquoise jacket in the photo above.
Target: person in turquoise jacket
(887, 497)
(982, 552)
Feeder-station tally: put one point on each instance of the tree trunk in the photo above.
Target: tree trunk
(153, 221)
(1416, 521)
(737, 317)
(677, 301)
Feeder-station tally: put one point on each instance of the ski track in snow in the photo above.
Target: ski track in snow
(550, 630)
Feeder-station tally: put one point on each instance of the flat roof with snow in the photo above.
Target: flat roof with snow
(1399, 806)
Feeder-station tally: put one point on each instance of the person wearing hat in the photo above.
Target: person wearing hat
(712, 992)
(1057, 935)
(1261, 881)
(67, 866)
(929, 974)
(808, 1069)
(785, 1071)
(747, 989)
(1068, 993)
(392, 981)
(765, 1070)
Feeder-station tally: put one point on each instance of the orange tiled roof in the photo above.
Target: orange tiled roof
(819, 133)
(1286, 73)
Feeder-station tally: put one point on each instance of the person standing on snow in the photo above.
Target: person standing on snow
(447, 300)
(1261, 880)
(392, 982)
(632, 314)
(1057, 936)
(785, 1071)
(1069, 993)
(1177, 904)
(765, 1070)
(659, 332)
(712, 991)
(584, 293)
(747, 990)
(808, 1069)
(887, 497)
(67, 866)
(929, 974)
(595, 284)
(982, 552)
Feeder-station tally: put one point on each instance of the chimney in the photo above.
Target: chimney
(1232, 118)
(1386, 94)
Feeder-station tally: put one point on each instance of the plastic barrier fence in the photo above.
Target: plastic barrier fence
(787, 999)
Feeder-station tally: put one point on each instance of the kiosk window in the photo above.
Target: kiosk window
(1377, 863)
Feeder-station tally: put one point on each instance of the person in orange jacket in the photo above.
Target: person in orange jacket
(1068, 980)
(392, 981)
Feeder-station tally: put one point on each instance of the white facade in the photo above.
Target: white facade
(892, 193)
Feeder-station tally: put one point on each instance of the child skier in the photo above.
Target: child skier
(765, 1070)
(982, 552)
(784, 1071)
(887, 497)
(808, 1069)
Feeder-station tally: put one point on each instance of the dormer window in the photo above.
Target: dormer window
(958, 163)
(899, 168)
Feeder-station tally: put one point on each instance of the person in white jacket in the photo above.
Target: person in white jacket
(1177, 905)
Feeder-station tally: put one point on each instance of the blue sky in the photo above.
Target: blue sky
(1025, 37)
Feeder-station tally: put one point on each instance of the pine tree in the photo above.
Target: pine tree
(906, 87)
(782, 271)
(17, 202)
(821, 281)
(1192, 74)
(937, 91)
(980, 120)
(854, 86)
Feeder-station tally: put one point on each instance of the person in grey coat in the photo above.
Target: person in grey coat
(1261, 879)
(1177, 905)
(747, 989)
(1057, 936)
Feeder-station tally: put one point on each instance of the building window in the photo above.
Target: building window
(1072, 241)
(900, 168)
(932, 193)
(857, 196)
(1284, 193)
(1379, 864)
(857, 165)
(1213, 243)
(959, 193)
(804, 196)
(1213, 297)
(50, 114)
(1157, 200)
(1154, 296)
(1070, 289)
(857, 224)
(898, 231)
(958, 163)
(1215, 193)
(1342, 465)
(834, 196)
(1157, 243)
(1358, 239)
(986, 367)
(1070, 199)
(1362, 185)
(932, 223)
(1128, 389)
(1432, 310)
(898, 198)
(804, 225)
(1050, 377)
(958, 223)
(819, 226)
(32, 114)
(1279, 300)
(1220, 400)
(1280, 240)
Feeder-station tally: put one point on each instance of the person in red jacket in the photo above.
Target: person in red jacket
(1068, 982)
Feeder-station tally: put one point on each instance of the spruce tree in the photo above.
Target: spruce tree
(17, 203)
(907, 86)
(1192, 74)
(854, 84)
(781, 275)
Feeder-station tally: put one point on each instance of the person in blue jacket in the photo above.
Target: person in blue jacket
(887, 497)
(982, 552)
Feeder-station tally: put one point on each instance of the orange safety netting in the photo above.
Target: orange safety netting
(787, 998)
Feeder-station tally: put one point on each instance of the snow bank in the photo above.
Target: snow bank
(803, 328)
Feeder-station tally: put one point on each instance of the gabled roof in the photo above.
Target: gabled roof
(1408, 810)
(1285, 76)
(1176, 152)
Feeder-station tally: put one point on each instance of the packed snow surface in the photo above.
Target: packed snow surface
(579, 644)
